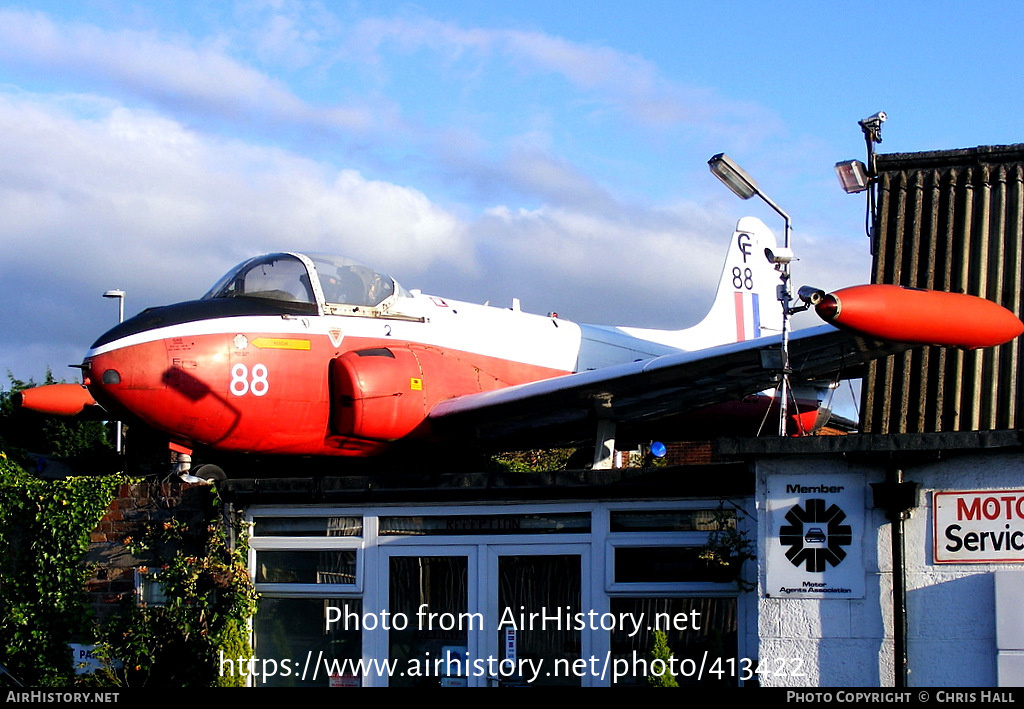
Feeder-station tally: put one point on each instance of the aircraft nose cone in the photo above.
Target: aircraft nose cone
(125, 378)
(100, 377)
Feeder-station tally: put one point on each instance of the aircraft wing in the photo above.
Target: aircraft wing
(646, 398)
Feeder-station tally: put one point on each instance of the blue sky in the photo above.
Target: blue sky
(554, 152)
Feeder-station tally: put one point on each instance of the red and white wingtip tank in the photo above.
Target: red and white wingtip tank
(925, 317)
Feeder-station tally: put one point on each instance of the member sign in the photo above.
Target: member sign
(978, 527)
(815, 538)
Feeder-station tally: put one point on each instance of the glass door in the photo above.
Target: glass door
(431, 604)
(535, 598)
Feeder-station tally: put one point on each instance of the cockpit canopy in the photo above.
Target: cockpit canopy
(317, 279)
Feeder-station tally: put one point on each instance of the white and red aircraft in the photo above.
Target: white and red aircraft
(312, 355)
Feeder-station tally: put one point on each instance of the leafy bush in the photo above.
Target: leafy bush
(44, 534)
(209, 600)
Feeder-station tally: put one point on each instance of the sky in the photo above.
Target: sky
(554, 152)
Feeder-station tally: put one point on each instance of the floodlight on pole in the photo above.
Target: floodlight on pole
(856, 177)
(744, 186)
(853, 176)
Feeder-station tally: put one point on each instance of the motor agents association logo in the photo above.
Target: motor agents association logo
(815, 535)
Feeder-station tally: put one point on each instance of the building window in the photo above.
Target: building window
(701, 633)
(666, 571)
(148, 588)
(435, 588)
(495, 524)
(324, 566)
(698, 520)
(324, 526)
(669, 564)
(296, 648)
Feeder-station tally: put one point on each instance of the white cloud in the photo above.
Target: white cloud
(656, 267)
(178, 73)
(133, 200)
(284, 33)
(138, 175)
(628, 82)
(199, 82)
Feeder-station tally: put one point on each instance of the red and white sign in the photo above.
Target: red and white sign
(978, 527)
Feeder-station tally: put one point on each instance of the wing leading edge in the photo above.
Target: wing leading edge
(649, 395)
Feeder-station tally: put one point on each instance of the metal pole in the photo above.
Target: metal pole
(119, 294)
(118, 443)
(899, 588)
(897, 497)
(784, 299)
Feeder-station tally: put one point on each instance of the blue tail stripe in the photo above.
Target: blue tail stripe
(757, 314)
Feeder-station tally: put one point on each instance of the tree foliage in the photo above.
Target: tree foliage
(661, 655)
(532, 461)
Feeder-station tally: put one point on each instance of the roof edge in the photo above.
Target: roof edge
(951, 158)
(897, 445)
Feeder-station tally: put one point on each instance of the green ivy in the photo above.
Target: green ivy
(209, 601)
(44, 535)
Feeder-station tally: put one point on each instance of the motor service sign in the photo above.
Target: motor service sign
(978, 527)
(814, 543)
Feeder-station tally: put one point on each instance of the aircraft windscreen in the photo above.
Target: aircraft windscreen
(349, 283)
(274, 277)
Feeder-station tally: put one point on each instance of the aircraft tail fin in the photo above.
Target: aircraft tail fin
(746, 303)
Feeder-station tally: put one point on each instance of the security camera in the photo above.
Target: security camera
(810, 295)
(778, 255)
(872, 126)
(878, 119)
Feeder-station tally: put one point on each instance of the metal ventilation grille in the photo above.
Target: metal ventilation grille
(952, 221)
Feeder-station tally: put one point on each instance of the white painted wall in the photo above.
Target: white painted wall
(951, 607)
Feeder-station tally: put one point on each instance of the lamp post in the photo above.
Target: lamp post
(744, 186)
(119, 294)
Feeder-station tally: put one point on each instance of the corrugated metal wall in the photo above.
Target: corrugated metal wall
(954, 221)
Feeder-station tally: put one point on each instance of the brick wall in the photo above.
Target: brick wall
(135, 507)
(689, 453)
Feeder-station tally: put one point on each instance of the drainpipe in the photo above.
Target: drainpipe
(897, 497)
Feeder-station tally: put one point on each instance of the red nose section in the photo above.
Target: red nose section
(885, 312)
(56, 399)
